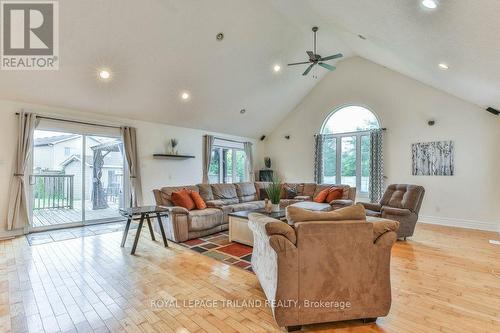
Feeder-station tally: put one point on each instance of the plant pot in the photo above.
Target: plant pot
(276, 208)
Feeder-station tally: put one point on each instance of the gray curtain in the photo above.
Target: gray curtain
(208, 142)
(18, 215)
(376, 185)
(129, 137)
(249, 161)
(319, 139)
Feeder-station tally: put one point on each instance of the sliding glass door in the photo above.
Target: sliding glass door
(77, 179)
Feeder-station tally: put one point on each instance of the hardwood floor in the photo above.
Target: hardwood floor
(444, 280)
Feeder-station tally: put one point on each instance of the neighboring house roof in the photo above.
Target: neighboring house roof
(110, 161)
(52, 140)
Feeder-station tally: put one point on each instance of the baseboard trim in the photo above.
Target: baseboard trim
(460, 223)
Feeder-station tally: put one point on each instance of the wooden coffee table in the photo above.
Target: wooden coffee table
(238, 225)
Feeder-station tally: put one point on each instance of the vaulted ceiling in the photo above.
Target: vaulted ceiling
(156, 49)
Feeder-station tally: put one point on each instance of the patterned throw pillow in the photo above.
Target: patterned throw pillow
(290, 191)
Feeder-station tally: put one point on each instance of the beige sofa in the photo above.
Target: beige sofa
(322, 271)
(221, 199)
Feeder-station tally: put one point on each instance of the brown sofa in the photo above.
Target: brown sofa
(330, 268)
(221, 199)
(400, 202)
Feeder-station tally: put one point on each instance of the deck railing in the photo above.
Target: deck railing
(53, 191)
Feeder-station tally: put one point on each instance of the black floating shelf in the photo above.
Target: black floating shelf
(167, 156)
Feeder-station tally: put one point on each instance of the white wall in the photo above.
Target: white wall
(152, 138)
(470, 198)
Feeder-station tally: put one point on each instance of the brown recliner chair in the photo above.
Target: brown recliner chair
(400, 202)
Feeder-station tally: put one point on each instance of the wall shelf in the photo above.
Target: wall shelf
(170, 156)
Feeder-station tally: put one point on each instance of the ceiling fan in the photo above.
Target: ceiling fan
(316, 59)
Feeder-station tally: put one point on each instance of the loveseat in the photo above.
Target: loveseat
(327, 266)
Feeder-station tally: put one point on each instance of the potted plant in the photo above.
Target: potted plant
(173, 144)
(274, 193)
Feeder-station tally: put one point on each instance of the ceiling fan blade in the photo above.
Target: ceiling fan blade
(308, 69)
(299, 63)
(329, 67)
(335, 56)
(311, 55)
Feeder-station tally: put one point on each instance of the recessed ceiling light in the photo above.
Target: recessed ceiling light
(185, 95)
(242, 111)
(443, 66)
(277, 68)
(362, 37)
(104, 74)
(431, 4)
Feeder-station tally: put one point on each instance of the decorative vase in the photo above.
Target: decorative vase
(276, 208)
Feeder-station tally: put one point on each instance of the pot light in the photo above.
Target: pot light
(431, 4)
(242, 111)
(276, 68)
(443, 66)
(104, 74)
(185, 95)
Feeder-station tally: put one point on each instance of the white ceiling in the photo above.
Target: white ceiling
(158, 48)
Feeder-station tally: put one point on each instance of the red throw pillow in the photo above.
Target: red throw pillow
(334, 193)
(198, 200)
(321, 197)
(183, 199)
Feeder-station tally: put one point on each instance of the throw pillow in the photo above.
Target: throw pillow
(290, 191)
(183, 199)
(263, 194)
(334, 193)
(321, 197)
(198, 200)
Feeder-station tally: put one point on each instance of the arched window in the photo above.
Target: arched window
(346, 146)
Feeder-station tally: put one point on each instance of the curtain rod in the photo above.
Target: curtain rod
(74, 121)
(347, 133)
(217, 137)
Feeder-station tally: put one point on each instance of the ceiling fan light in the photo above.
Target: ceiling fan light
(277, 68)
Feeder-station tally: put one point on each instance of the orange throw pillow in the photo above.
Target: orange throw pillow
(198, 200)
(321, 197)
(183, 198)
(334, 193)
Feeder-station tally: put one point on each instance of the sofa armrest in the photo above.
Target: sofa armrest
(382, 226)
(176, 209)
(283, 229)
(386, 210)
(376, 207)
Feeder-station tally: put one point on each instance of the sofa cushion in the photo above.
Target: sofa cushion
(226, 193)
(309, 189)
(352, 213)
(246, 191)
(206, 192)
(245, 206)
(204, 219)
(314, 206)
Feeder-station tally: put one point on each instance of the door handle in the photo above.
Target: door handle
(31, 180)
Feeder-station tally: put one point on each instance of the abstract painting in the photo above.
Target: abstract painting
(433, 158)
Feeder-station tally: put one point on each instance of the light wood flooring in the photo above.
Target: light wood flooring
(444, 280)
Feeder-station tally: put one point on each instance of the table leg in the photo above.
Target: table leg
(150, 228)
(125, 232)
(162, 230)
(137, 234)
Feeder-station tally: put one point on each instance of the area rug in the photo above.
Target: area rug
(219, 247)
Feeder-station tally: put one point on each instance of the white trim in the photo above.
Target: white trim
(460, 223)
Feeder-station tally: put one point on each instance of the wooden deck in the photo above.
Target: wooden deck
(59, 216)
